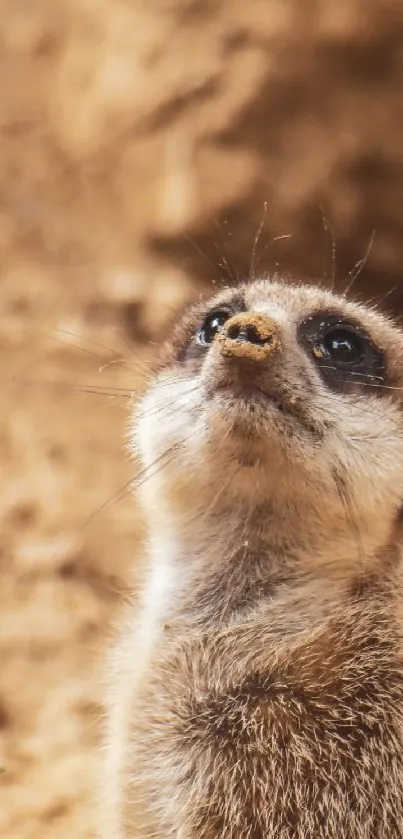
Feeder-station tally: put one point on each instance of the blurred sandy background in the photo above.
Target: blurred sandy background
(127, 129)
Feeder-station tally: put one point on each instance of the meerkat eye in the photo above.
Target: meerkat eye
(213, 324)
(343, 345)
(344, 353)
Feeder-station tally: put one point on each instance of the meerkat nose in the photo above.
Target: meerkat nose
(250, 336)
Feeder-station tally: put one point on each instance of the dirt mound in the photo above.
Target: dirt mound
(143, 148)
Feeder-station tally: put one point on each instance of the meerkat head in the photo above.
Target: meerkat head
(282, 405)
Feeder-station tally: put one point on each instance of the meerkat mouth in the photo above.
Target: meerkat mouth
(251, 394)
(251, 402)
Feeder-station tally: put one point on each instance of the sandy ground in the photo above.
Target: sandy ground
(142, 147)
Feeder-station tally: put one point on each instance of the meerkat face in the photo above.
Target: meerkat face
(280, 393)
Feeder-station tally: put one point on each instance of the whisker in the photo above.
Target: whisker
(351, 372)
(126, 338)
(117, 361)
(378, 384)
(73, 387)
(120, 362)
(226, 258)
(358, 399)
(379, 300)
(252, 266)
(207, 260)
(329, 229)
(169, 455)
(364, 408)
(90, 387)
(217, 497)
(130, 485)
(360, 265)
(135, 482)
(152, 412)
(278, 238)
(100, 390)
(137, 357)
(272, 241)
(71, 334)
(117, 496)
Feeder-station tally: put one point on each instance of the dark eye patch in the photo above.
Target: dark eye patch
(181, 345)
(345, 354)
(212, 326)
(204, 320)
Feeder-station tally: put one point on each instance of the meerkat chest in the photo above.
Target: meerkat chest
(273, 745)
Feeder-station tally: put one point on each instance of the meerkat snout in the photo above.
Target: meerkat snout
(250, 336)
(257, 690)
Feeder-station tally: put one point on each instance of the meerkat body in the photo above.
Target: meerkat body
(257, 692)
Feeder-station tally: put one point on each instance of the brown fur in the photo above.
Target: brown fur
(258, 692)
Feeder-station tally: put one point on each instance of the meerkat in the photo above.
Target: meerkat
(257, 691)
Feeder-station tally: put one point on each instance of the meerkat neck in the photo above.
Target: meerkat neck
(214, 574)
